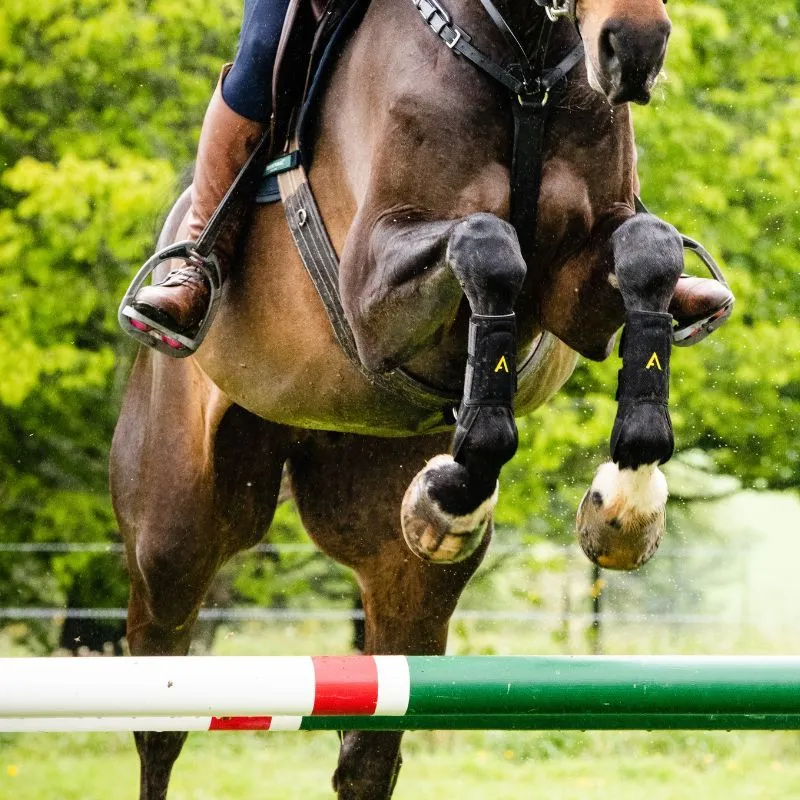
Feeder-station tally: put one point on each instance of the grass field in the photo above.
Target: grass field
(500, 766)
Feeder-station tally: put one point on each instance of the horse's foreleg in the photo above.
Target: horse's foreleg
(407, 604)
(448, 505)
(622, 517)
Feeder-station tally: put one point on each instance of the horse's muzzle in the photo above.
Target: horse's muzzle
(631, 56)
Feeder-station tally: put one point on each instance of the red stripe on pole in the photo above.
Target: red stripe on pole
(345, 685)
(240, 723)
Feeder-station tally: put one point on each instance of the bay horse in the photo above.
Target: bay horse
(412, 174)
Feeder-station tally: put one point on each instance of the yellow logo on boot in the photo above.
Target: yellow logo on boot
(654, 362)
(502, 364)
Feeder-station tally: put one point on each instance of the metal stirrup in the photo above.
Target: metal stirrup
(157, 335)
(696, 331)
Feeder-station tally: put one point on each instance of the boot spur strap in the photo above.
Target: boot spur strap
(156, 335)
(694, 332)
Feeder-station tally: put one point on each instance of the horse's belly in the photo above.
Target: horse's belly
(272, 350)
(317, 387)
(320, 394)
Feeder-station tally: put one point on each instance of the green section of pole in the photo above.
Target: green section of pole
(515, 685)
(564, 722)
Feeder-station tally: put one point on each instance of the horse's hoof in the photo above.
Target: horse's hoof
(431, 532)
(621, 518)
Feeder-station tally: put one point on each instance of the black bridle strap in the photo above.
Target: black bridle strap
(512, 41)
(530, 104)
(560, 71)
(458, 41)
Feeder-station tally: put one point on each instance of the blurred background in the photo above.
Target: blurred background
(100, 107)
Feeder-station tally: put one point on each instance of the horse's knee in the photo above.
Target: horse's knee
(484, 253)
(648, 260)
(174, 576)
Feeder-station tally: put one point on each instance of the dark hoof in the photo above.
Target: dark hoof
(622, 517)
(431, 532)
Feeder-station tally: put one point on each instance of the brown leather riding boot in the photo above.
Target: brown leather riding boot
(180, 301)
(696, 298)
(699, 306)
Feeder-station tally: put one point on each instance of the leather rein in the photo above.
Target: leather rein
(531, 86)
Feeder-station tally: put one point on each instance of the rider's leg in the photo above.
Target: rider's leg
(235, 120)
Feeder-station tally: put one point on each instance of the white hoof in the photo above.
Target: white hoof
(622, 517)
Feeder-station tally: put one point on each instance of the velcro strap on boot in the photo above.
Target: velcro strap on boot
(645, 348)
(491, 378)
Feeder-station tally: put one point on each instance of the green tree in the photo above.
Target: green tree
(100, 107)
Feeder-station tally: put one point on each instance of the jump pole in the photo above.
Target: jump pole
(398, 692)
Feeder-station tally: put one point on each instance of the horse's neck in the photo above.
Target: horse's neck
(582, 118)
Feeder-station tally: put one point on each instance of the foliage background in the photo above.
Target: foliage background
(100, 106)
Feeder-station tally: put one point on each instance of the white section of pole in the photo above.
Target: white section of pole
(102, 724)
(157, 686)
(394, 685)
(130, 724)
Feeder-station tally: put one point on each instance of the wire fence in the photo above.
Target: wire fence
(345, 615)
(303, 547)
(542, 552)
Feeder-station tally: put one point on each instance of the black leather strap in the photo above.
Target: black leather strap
(530, 119)
(238, 196)
(459, 42)
(554, 76)
(317, 253)
(511, 39)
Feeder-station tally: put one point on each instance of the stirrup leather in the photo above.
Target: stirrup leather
(158, 336)
(696, 331)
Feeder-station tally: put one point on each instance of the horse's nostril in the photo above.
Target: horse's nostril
(608, 44)
(629, 57)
